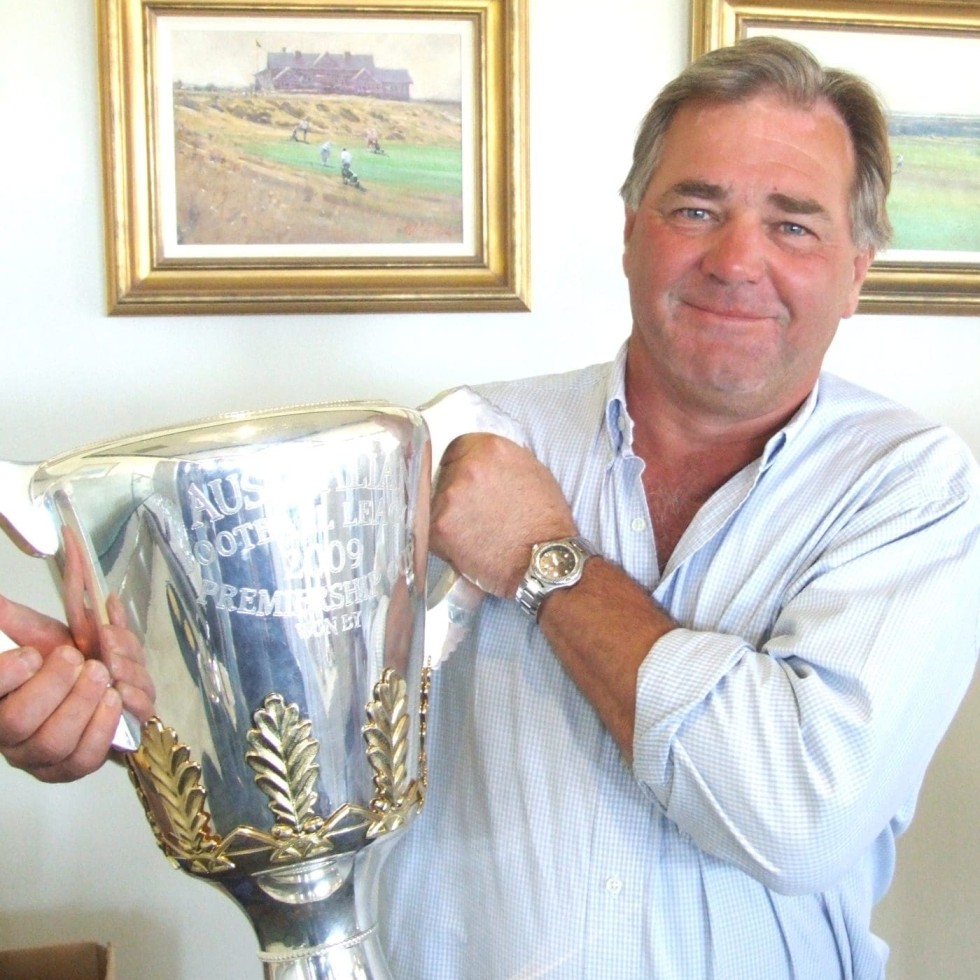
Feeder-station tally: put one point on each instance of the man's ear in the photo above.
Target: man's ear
(629, 220)
(862, 262)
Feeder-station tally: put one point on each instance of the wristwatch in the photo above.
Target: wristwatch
(554, 565)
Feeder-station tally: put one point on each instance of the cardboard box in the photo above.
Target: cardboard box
(74, 961)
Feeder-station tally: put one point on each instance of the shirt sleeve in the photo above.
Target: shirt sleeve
(790, 758)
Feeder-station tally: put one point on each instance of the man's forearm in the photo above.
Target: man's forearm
(601, 630)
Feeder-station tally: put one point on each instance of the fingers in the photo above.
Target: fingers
(57, 716)
(125, 660)
(493, 501)
(28, 706)
(59, 723)
(27, 627)
(58, 713)
(17, 667)
(123, 654)
(116, 611)
(76, 594)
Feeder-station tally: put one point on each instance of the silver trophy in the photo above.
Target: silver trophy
(273, 566)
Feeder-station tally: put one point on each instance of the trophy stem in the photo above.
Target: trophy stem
(358, 958)
(317, 920)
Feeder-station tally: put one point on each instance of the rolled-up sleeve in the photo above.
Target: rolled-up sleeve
(789, 752)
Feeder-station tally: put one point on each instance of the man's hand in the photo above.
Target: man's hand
(493, 501)
(58, 712)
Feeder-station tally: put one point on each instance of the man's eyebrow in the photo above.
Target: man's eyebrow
(786, 203)
(796, 205)
(715, 192)
(699, 188)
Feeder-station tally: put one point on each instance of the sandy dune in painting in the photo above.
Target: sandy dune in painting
(243, 179)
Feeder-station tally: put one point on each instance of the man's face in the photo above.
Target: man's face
(740, 260)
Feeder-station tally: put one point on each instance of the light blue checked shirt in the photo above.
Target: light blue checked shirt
(829, 601)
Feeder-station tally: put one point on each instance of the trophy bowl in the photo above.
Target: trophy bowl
(273, 566)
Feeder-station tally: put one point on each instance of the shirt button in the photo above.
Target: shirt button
(639, 524)
(614, 885)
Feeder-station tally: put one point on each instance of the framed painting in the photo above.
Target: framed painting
(921, 57)
(314, 157)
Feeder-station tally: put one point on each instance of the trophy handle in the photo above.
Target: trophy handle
(29, 524)
(127, 736)
(26, 520)
(452, 601)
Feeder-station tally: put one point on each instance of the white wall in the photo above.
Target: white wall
(79, 861)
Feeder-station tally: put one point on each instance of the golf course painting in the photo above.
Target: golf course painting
(315, 136)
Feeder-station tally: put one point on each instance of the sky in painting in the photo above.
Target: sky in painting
(914, 71)
(227, 52)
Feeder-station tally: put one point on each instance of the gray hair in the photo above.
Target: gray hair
(771, 64)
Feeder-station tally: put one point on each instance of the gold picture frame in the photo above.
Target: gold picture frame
(923, 280)
(218, 200)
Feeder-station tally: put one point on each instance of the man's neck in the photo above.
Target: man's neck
(689, 454)
(680, 435)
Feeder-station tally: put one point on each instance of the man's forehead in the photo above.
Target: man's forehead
(706, 138)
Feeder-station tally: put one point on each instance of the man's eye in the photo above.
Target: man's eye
(795, 230)
(694, 214)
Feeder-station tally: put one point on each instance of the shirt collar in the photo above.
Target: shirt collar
(790, 430)
(619, 425)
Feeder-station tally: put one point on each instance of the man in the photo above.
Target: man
(301, 129)
(751, 607)
(695, 763)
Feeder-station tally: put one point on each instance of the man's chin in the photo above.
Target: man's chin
(734, 396)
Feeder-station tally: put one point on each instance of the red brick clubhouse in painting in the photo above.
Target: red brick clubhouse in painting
(332, 74)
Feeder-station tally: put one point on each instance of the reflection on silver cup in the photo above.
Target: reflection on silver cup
(273, 567)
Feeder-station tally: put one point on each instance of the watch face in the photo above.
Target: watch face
(555, 562)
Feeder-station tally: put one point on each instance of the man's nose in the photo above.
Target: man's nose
(736, 251)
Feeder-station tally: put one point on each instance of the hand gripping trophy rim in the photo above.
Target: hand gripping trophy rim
(453, 601)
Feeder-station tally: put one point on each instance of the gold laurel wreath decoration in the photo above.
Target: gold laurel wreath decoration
(386, 735)
(283, 754)
(176, 804)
